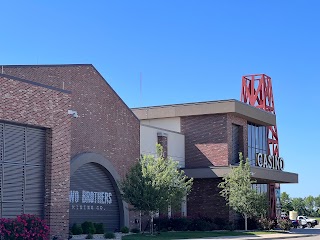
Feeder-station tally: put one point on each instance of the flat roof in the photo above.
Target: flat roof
(232, 106)
(261, 175)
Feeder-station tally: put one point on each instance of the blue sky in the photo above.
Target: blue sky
(187, 51)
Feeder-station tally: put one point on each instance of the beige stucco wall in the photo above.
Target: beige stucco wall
(148, 141)
(172, 124)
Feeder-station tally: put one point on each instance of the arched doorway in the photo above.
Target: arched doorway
(94, 194)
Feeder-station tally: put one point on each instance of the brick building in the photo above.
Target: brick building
(210, 136)
(66, 138)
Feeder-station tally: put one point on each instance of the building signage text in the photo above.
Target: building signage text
(85, 199)
(269, 161)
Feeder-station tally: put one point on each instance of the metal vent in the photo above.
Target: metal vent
(22, 161)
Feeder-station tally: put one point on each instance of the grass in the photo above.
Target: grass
(187, 235)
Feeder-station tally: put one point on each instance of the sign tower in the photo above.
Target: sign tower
(256, 90)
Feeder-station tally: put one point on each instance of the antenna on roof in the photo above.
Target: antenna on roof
(140, 89)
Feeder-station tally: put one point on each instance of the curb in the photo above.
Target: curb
(295, 236)
(285, 236)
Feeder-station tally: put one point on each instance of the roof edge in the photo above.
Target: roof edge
(231, 106)
(34, 83)
(45, 65)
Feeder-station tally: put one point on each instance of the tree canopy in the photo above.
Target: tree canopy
(309, 205)
(239, 194)
(154, 183)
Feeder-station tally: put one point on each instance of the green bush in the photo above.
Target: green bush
(231, 226)
(89, 236)
(179, 224)
(221, 223)
(88, 227)
(109, 235)
(99, 228)
(252, 224)
(285, 224)
(135, 230)
(200, 224)
(76, 229)
(124, 229)
(162, 224)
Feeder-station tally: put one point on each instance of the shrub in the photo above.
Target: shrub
(124, 229)
(25, 226)
(184, 224)
(252, 224)
(135, 230)
(99, 228)
(88, 227)
(201, 224)
(76, 229)
(231, 226)
(89, 236)
(285, 224)
(163, 224)
(109, 235)
(266, 224)
(179, 224)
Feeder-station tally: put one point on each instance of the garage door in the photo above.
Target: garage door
(22, 158)
(93, 197)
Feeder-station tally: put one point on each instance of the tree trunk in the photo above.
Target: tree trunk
(140, 224)
(245, 222)
(151, 223)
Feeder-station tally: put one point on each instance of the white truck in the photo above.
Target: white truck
(307, 222)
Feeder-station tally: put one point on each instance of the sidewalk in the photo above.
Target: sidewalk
(253, 237)
(262, 236)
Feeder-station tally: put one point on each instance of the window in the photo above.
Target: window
(235, 143)
(257, 141)
(163, 141)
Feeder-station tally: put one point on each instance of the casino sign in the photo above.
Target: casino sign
(269, 161)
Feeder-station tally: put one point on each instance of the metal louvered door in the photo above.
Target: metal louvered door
(22, 157)
(93, 197)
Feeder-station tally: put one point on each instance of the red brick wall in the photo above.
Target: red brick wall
(205, 200)
(209, 139)
(105, 124)
(38, 106)
(206, 140)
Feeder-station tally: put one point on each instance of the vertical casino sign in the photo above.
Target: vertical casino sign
(93, 197)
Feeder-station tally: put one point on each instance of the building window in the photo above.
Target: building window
(237, 142)
(163, 141)
(257, 141)
(260, 188)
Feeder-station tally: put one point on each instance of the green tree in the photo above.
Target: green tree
(317, 205)
(298, 205)
(260, 204)
(310, 205)
(154, 183)
(286, 202)
(238, 192)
